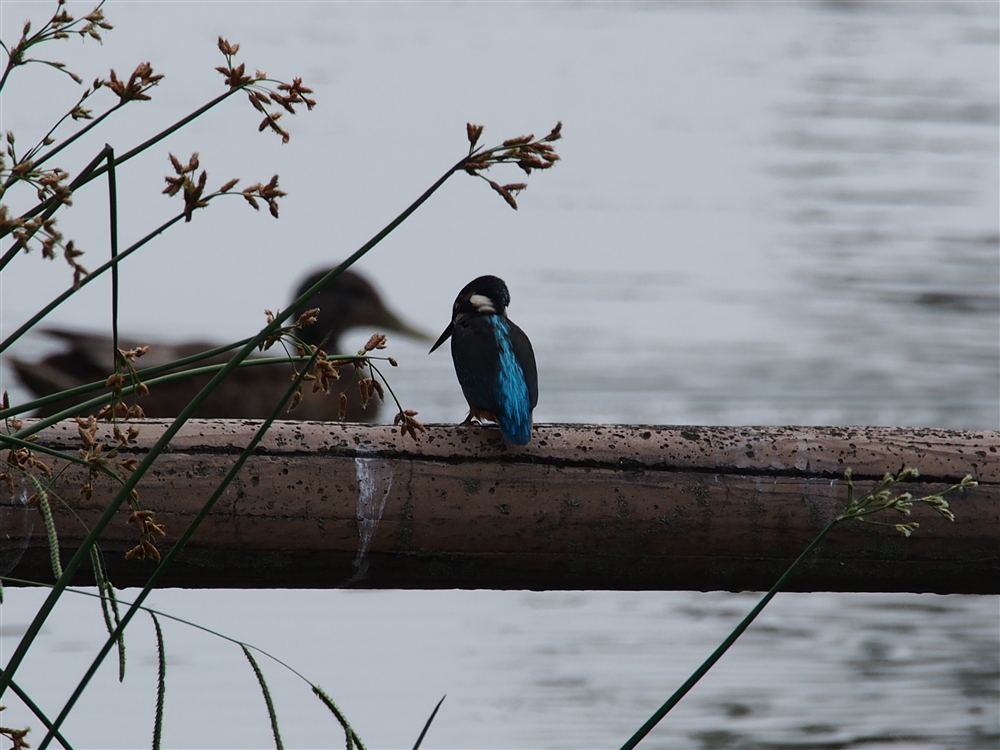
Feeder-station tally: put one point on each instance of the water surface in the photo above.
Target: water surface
(766, 214)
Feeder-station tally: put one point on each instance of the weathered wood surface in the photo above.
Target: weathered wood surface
(580, 507)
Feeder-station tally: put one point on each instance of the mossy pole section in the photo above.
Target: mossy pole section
(621, 507)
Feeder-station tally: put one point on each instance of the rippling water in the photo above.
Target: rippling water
(766, 214)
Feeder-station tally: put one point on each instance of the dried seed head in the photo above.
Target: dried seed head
(377, 341)
(503, 192)
(226, 48)
(296, 399)
(407, 423)
(473, 132)
(519, 141)
(309, 317)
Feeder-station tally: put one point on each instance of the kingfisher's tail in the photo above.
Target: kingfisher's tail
(514, 429)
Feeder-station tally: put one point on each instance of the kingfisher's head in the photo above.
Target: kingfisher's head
(486, 295)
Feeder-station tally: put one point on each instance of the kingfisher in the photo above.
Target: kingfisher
(493, 359)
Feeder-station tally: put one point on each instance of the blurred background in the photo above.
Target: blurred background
(767, 213)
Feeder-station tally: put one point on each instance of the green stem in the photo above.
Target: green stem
(683, 690)
(167, 616)
(109, 513)
(88, 175)
(360, 252)
(101, 400)
(113, 219)
(30, 704)
(427, 725)
(175, 550)
(190, 624)
(12, 440)
(79, 134)
(51, 206)
(33, 321)
(97, 385)
(83, 552)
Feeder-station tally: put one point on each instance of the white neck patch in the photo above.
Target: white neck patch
(482, 303)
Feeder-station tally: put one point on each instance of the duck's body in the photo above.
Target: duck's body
(493, 358)
(349, 301)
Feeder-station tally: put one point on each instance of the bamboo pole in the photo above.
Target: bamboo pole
(325, 505)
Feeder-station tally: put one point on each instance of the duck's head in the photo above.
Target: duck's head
(349, 301)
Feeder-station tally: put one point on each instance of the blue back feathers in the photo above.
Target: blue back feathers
(511, 391)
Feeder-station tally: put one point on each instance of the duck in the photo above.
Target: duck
(493, 359)
(349, 301)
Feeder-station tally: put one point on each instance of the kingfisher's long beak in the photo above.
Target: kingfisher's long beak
(444, 337)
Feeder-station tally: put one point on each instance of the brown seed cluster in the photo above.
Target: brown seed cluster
(369, 388)
(193, 189)
(524, 151)
(323, 372)
(376, 341)
(101, 456)
(59, 26)
(15, 736)
(124, 374)
(285, 95)
(50, 185)
(135, 88)
(149, 530)
(268, 193)
(21, 460)
(407, 423)
(183, 180)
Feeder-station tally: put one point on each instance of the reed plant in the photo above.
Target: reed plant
(117, 399)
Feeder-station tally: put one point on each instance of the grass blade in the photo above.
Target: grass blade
(113, 218)
(178, 545)
(161, 684)
(693, 680)
(427, 726)
(352, 737)
(50, 527)
(30, 705)
(109, 604)
(267, 697)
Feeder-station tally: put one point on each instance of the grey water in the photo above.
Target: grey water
(766, 213)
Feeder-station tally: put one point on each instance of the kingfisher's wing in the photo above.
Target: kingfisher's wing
(526, 358)
(496, 368)
(513, 388)
(476, 357)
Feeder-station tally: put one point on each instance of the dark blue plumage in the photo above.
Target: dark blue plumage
(493, 359)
